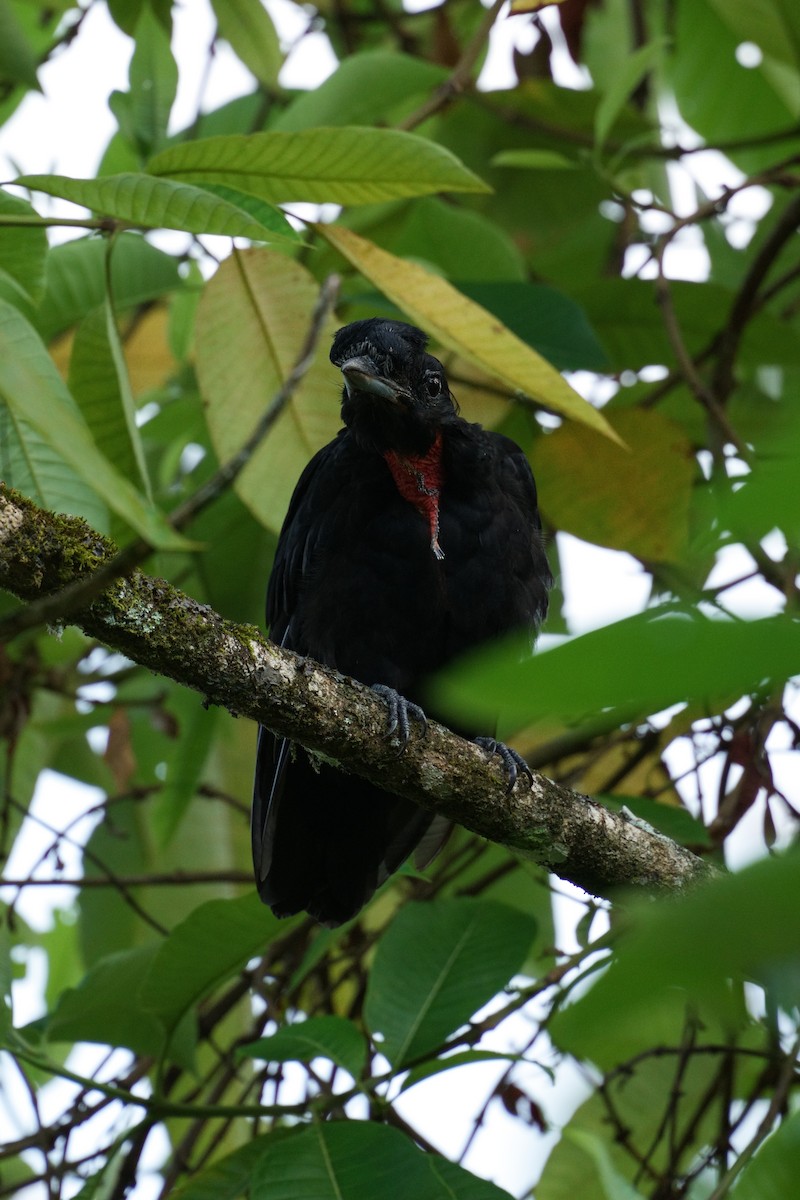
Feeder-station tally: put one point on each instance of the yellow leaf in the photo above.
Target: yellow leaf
(251, 323)
(634, 499)
(150, 360)
(463, 326)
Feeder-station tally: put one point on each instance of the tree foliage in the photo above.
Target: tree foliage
(547, 234)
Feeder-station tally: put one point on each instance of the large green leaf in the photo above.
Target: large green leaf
(249, 29)
(774, 26)
(545, 318)
(251, 323)
(22, 251)
(352, 1160)
(75, 282)
(30, 463)
(164, 204)
(105, 1008)
(630, 669)
(37, 398)
(634, 69)
(686, 951)
(462, 243)
(210, 946)
(318, 1037)
(229, 1177)
(17, 59)
(720, 98)
(363, 89)
(348, 165)
(773, 1173)
(463, 952)
(153, 77)
(626, 315)
(93, 381)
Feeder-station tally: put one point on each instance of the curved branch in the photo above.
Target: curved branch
(170, 633)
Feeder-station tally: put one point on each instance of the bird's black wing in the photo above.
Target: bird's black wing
(322, 840)
(293, 556)
(300, 534)
(534, 575)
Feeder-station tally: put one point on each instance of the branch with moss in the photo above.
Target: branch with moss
(235, 666)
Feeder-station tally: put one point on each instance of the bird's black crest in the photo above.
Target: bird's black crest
(376, 333)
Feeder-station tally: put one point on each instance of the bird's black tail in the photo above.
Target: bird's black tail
(323, 841)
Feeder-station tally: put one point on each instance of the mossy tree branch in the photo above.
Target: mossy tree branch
(235, 666)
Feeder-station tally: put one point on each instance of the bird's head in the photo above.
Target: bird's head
(395, 394)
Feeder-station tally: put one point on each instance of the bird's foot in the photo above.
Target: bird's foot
(400, 714)
(514, 764)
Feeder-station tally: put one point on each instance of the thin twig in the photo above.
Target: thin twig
(746, 298)
(460, 76)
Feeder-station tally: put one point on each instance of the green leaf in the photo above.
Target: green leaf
(464, 1058)
(231, 1176)
(164, 204)
(349, 165)
(267, 215)
(773, 1173)
(534, 160)
(153, 78)
(17, 59)
(686, 951)
(462, 243)
(6, 976)
(774, 26)
(318, 1037)
(31, 464)
(550, 322)
(630, 669)
(22, 251)
(184, 770)
(251, 323)
(75, 282)
(247, 27)
(614, 1185)
(211, 945)
(104, 1007)
(94, 383)
(463, 951)
(363, 89)
(351, 1160)
(636, 66)
(37, 398)
(717, 96)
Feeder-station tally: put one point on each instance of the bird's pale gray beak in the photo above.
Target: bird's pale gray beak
(361, 375)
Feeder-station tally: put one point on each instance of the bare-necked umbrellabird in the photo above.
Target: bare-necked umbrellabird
(410, 538)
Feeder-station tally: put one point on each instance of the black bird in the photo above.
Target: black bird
(410, 538)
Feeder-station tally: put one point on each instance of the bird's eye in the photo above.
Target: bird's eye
(433, 385)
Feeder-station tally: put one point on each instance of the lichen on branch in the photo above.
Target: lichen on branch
(161, 628)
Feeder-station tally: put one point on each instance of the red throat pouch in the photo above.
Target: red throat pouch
(418, 479)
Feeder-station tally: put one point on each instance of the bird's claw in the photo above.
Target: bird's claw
(514, 764)
(400, 714)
